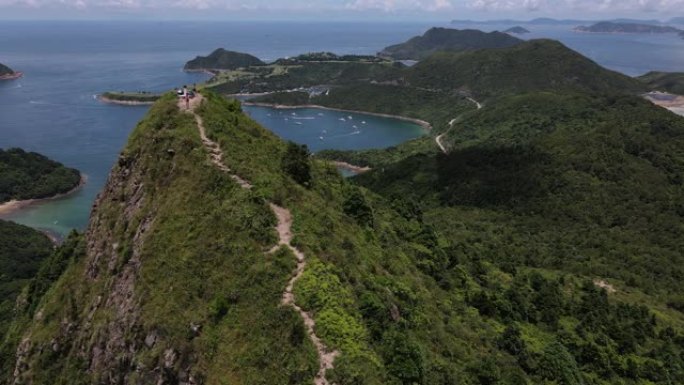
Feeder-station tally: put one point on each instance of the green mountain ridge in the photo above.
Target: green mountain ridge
(446, 39)
(221, 59)
(535, 65)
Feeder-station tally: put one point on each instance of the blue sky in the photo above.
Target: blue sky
(385, 10)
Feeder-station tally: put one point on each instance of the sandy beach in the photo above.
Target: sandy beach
(15, 205)
(665, 99)
(13, 76)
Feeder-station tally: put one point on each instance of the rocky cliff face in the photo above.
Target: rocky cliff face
(101, 331)
(164, 292)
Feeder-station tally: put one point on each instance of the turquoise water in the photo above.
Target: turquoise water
(52, 109)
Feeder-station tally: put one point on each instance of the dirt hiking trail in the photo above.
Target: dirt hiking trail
(326, 357)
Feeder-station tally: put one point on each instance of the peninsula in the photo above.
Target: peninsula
(27, 177)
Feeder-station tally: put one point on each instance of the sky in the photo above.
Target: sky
(381, 10)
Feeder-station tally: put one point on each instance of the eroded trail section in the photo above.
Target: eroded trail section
(326, 357)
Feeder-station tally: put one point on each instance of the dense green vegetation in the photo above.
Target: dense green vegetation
(612, 27)
(222, 59)
(534, 65)
(665, 81)
(21, 251)
(562, 185)
(138, 97)
(39, 268)
(446, 39)
(429, 286)
(571, 170)
(28, 175)
(5, 70)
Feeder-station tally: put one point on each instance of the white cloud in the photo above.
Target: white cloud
(445, 8)
(559, 6)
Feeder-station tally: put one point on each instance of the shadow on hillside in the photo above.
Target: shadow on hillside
(481, 177)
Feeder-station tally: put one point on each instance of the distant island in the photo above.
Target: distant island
(446, 39)
(222, 59)
(518, 30)
(610, 27)
(549, 21)
(7, 73)
(26, 176)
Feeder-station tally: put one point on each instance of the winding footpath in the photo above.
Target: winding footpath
(326, 357)
(438, 139)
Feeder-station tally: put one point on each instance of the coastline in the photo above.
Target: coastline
(104, 99)
(672, 102)
(202, 70)
(425, 125)
(15, 205)
(13, 76)
(348, 166)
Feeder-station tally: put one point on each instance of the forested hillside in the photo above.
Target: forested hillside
(29, 175)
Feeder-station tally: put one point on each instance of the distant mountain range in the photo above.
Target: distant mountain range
(549, 21)
(611, 27)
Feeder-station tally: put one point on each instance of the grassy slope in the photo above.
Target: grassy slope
(665, 81)
(28, 175)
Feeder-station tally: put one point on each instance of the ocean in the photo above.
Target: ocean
(53, 110)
